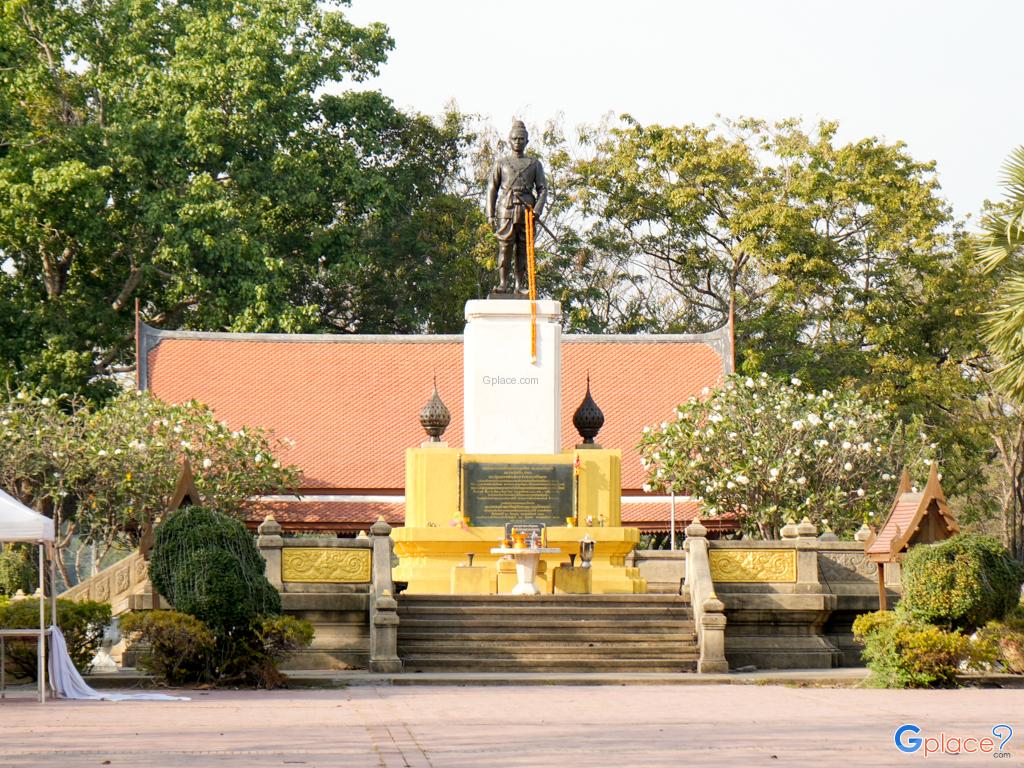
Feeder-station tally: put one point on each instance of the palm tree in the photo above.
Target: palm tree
(1001, 247)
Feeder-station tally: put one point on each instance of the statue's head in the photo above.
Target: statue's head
(518, 137)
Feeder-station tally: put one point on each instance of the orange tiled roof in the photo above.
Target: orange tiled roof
(909, 511)
(903, 514)
(350, 403)
(340, 515)
(659, 513)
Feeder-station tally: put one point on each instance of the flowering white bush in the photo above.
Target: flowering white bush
(106, 473)
(766, 451)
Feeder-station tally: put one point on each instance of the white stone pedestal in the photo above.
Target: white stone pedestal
(527, 561)
(510, 404)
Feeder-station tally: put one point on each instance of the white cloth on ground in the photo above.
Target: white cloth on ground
(68, 684)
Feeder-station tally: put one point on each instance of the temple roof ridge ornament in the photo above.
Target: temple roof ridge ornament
(435, 416)
(588, 419)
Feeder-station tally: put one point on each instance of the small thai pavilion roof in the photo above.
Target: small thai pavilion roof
(915, 518)
(185, 494)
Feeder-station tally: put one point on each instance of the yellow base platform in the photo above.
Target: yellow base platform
(428, 555)
(436, 538)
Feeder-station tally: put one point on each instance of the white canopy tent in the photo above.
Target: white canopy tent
(18, 523)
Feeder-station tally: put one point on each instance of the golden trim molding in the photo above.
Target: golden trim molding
(753, 565)
(325, 566)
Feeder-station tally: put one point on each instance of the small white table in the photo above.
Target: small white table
(527, 560)
(24, 634)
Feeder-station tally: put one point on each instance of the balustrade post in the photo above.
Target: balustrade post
(270, 544)
(807, 547)
(708, 610)
(383, 605)
(712, 644)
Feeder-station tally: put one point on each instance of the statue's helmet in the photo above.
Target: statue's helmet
(519, 129)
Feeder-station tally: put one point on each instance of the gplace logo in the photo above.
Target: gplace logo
(908, 739)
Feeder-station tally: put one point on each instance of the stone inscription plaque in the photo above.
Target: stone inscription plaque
(494, 494)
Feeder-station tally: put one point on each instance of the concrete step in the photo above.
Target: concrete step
(596, 611)
(414, 635)
(578, 633)
(545, 600)
(527, 624)
(568, 663)
(533, 651)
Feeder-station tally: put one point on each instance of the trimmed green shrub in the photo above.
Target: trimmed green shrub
(176, 648)
(273, 638)
(206, 564)
(960, 583)
(82, 625)
(281, 635)
(903, 652)
(1005, 640)
(182, 649)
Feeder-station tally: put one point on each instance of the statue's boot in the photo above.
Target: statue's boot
(522, 279)
(522, 282)
(504, 268)
(502, 286)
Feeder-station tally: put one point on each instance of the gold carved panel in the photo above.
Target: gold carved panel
(750, 565)
(330, 566)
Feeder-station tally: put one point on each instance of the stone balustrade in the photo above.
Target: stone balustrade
(346, 580)
(320, 564)
(791, 603)
(125, 585)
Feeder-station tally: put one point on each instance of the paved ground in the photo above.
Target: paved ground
(851, 676)
(465, 727)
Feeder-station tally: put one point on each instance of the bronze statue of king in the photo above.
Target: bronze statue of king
(515, 183)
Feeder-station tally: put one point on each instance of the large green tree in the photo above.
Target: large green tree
(1001, 252)
(200, 157)
(840, 261)
(767, 221)
(1000, 420)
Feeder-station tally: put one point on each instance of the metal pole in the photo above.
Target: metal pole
(41, 650)
(53, 585)
(672, 523)
(53, 593)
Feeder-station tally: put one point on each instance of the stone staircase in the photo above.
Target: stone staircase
(563, 633)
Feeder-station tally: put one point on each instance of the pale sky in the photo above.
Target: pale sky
(944, 77)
